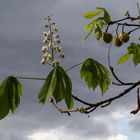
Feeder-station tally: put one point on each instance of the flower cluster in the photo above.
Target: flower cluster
(51, 50)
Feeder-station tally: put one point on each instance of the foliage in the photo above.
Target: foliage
(58, 85)
(10, 92)
(95, 74)
(98, 23)
(133, 52)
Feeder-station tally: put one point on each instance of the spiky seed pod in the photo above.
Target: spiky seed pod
(107, 37)
(117, 41)
(124, 37)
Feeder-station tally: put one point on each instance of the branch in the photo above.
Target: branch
(112, 70)
(102, 104)
(138, 104)
(81, 101)
(120, 81)
(107, 102)
(74, 66)
(126, 18)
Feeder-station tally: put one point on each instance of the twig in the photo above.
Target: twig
(138, 11)
(82, 101)
(138, 104)
(120, 81)
(112, 70)
(74, 66)
(102, 104)
(30, 78)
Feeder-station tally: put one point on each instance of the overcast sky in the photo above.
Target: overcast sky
(21, 29)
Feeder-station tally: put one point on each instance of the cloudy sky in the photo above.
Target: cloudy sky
(21, 29)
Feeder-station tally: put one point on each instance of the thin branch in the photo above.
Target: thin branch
(81, 101)
(102, 104)
(133, 30)
(115, 76)
(138, 11)
(38, 78)
(126, 18)
(108, 101)
(62, 110)
(127, 24)
(74, 66)
(30, 78)
(135, 111)
(112, 70)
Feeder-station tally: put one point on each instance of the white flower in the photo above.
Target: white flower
(44, 48)
(43, 61)
(45, 41)
(49, 56)
(62, 54)
(56, 62)
(45, 55)
(56, 41)
(59, 49)
(55, 36)
(45, 34)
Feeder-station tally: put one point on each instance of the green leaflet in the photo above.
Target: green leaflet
(90, 26)
(98, 33)
(123, 58)
(106, 16)
(134, 52)
(95, 74)
(10, 92)
(90, 15)
(4, 104)
(59, 86)
(48, 87)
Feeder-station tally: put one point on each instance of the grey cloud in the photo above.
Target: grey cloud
(20, 43)
(134, 124)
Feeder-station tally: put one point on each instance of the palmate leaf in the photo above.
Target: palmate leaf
(96, 24)
(59, 86)
(95, 74)
(10, 92)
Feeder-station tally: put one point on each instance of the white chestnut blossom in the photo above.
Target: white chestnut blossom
(51, 51)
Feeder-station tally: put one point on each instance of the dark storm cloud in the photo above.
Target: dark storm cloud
(20, 42)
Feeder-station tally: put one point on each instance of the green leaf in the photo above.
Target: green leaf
(59, 91)
(90, 26)
(136, 59)
(90, 15)
(10, 92)
(124, 58)
(4, 103)
(95, 74)
(134, 52)
(106, 16)
(59, 85)
(85, 38)
(98, 33)
(48, 87)
(68, 89)
(67, 86)
(100, 23)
